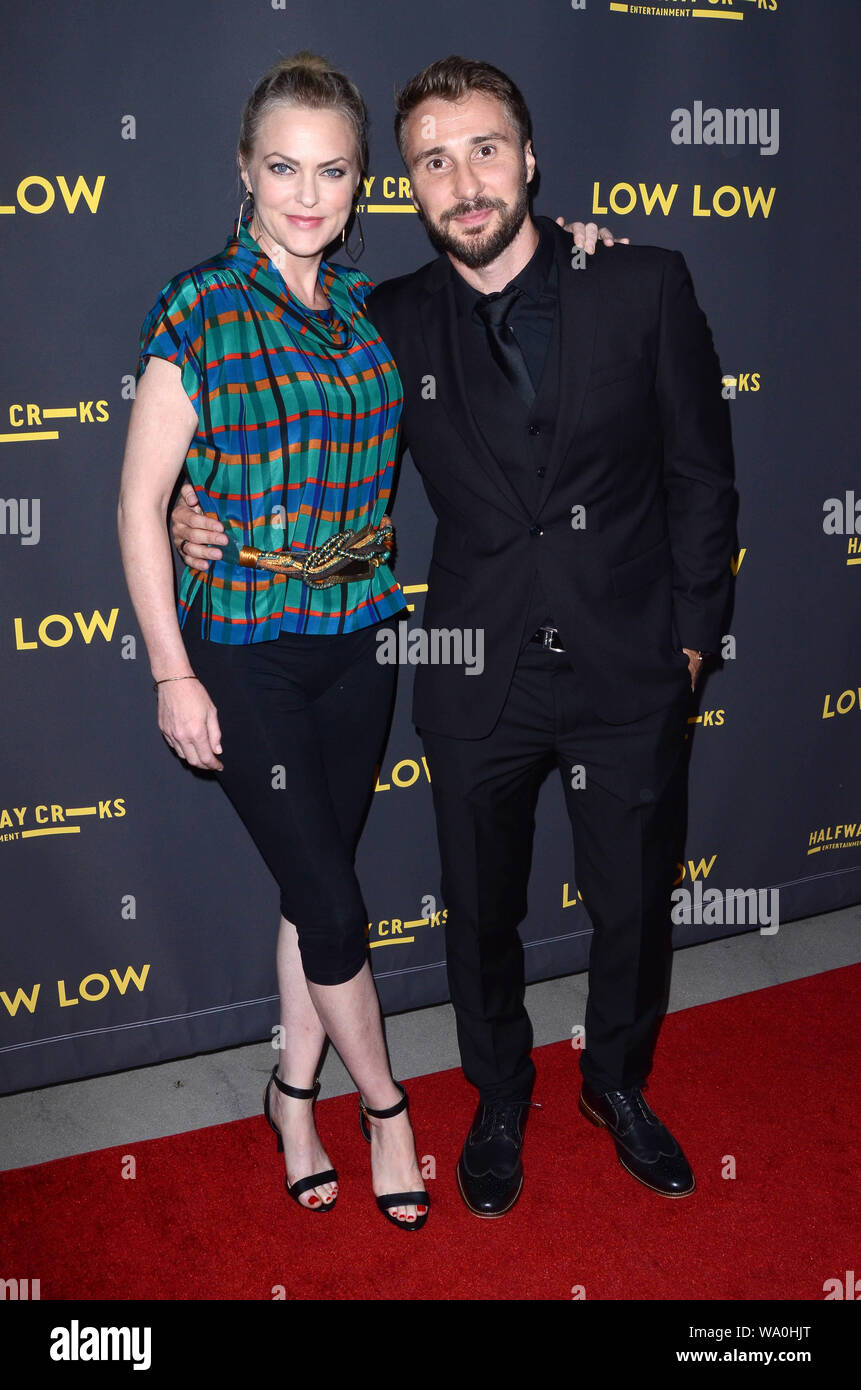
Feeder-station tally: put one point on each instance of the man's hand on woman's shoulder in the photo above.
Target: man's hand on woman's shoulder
(586, 234)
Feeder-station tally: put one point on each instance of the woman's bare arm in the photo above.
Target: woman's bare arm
(161, 427)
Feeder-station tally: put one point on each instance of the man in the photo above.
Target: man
(570, 430)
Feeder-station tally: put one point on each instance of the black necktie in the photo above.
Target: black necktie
(493, 309)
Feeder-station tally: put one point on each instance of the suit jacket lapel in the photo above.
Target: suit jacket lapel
(439, 324)
(578, 316)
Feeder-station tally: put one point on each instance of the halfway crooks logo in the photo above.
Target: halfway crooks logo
(688, 9)
(76, 1343)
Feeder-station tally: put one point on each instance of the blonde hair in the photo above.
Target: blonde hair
(305, 79)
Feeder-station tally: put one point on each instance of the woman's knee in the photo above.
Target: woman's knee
(332, 936)
(327, 963)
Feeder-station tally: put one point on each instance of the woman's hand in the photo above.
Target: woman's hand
(196, 536)
(586, 234)
(189, 721)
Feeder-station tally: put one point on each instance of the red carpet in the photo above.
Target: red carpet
(770, 1078)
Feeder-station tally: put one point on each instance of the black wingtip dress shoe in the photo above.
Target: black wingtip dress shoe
(645, 1147)
(489, 1170)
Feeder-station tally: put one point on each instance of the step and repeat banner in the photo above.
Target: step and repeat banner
(139, 923)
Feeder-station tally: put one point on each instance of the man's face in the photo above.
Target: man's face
(469, 176)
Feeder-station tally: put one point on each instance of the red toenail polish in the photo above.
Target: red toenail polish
(313, 1201)
(421, 1210)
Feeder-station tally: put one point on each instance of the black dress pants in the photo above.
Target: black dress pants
(628, 824)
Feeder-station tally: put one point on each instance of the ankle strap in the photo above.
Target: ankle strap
(295, 1091)
(392, 1110)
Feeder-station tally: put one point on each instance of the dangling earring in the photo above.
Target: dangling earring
(354, 256)
(248, 194)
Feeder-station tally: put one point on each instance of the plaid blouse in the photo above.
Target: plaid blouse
(298, 416)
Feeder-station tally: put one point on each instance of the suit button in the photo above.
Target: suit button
(536, 531)
(541, 471)
(533, 429)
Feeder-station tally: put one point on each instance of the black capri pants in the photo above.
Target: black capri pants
(303, 724)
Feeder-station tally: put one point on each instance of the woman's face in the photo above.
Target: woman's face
(303, 173)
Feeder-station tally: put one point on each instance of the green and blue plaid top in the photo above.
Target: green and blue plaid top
(298, 417)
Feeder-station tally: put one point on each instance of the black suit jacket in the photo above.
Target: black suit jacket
(642, 443)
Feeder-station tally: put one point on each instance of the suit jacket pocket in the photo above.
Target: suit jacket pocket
(642, 569)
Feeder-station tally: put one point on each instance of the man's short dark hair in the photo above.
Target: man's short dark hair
(452, 79)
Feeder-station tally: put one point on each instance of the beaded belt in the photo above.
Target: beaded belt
(343, 558)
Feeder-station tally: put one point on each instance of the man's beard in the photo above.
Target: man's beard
(476, 250)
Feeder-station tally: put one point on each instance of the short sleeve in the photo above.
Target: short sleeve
(174, 329)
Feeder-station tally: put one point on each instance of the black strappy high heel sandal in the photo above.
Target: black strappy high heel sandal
(315, 1179)
(395, 1199)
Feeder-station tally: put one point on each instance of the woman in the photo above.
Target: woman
(260, 374)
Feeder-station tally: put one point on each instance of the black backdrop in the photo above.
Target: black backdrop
(125, 939)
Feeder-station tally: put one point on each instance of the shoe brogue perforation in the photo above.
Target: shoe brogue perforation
(489, 1170)
(644, 1146)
